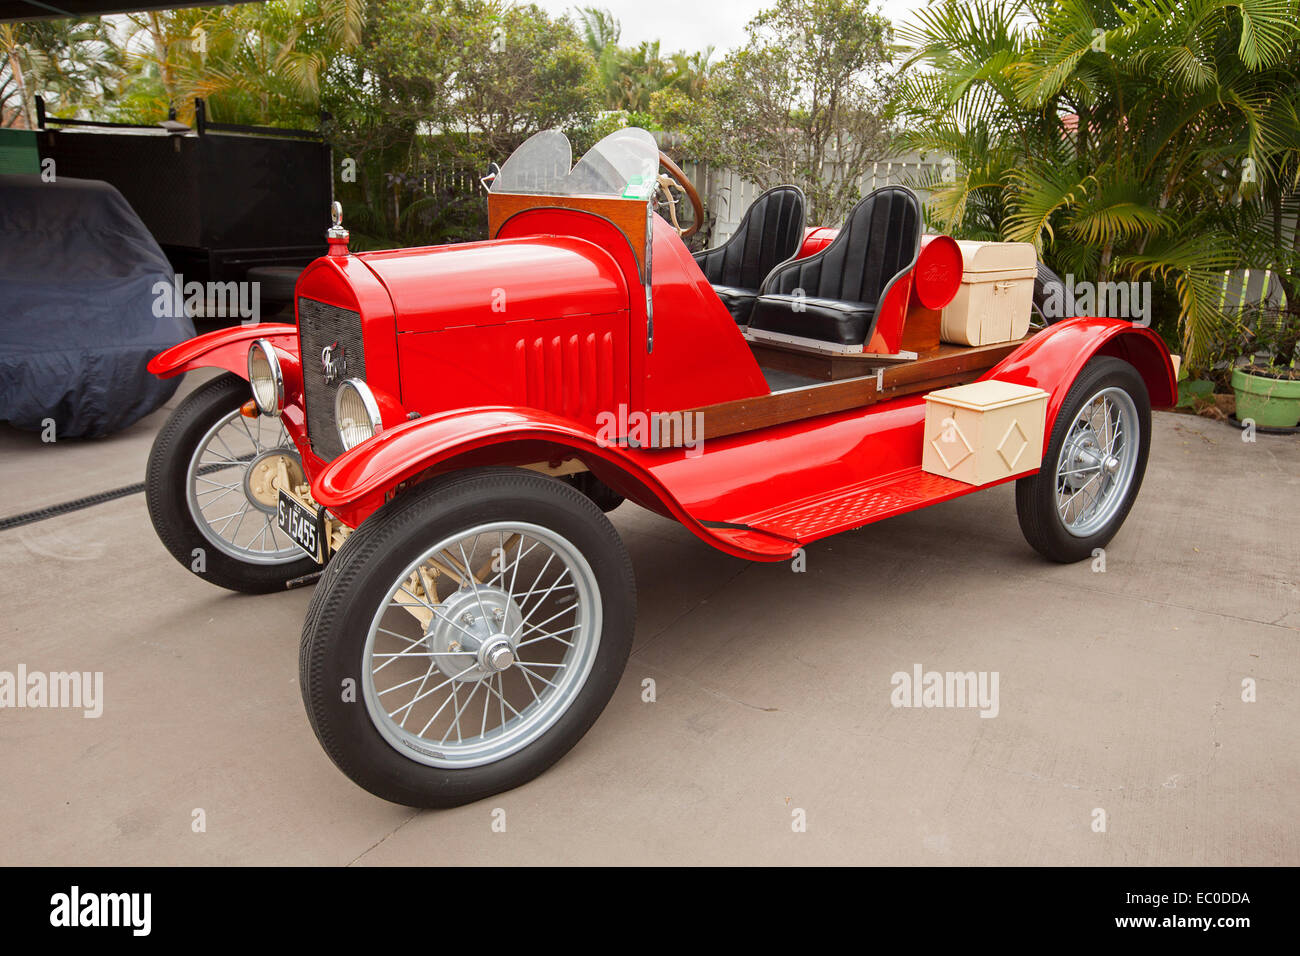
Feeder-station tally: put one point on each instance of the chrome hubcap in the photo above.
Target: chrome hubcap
(1097, 462)
(470, 622)
(496, 654)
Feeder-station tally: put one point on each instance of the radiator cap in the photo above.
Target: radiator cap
(336, 235)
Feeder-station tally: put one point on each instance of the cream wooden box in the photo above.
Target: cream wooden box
(983, 431)
(996, 295)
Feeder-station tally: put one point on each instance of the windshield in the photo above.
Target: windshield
(538, 167)
(623, 164)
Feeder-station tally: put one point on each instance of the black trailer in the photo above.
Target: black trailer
(227, 203)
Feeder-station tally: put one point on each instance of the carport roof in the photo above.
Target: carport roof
(47, 9)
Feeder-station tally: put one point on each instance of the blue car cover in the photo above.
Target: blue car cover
(80, 308)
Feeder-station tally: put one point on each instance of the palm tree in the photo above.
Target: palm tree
(629, 76)
(1120, 138)
(72, 63)
(642, 72)
(690, 71)
(600, 32)
(599, 28)
(251, 63)
(15, 98)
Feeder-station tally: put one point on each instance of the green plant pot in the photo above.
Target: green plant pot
(1269, 402)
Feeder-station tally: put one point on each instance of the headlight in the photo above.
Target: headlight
(266, 378)
(356, 413)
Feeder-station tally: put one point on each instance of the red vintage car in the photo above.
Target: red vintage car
(444, 427)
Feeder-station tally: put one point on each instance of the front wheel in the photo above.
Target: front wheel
(209, 491)
(1093, 466)
(466, 636)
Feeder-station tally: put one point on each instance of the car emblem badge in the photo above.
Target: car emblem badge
(333, 362)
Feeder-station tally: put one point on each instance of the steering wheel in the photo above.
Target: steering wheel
(678, 180)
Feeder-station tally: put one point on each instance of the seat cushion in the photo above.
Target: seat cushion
(827, 320)
(739, 302)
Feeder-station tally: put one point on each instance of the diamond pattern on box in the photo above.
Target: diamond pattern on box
(1015, 438)
(952, 438)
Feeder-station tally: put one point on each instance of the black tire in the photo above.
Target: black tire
(1048, 286)
(1036, 502)
(605, 497)
(363, 572)
(168, 500)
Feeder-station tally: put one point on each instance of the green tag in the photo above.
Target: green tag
(637, 188)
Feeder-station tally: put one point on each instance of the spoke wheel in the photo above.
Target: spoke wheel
(1093, 466)
(1097, 461)
(230, 495)
(483, 620)
(208, 487)
(465, 668)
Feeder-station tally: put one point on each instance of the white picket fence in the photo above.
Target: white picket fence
(727, 194)
(1249, 287)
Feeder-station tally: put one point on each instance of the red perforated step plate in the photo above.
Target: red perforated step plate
(860, 504)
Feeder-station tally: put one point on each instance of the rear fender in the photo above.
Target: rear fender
(358, 482)
(1053, 359)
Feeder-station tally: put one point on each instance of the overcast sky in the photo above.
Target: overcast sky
(694, 24)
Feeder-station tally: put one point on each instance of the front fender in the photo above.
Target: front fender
(1053, 359)
(224, 348)
(356, 483)
(228, 349)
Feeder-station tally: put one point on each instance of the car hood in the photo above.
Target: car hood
(500, 281)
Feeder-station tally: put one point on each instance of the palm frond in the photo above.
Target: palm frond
(1039, 194)
(1195, 265)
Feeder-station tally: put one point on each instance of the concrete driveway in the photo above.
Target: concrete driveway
(1121, 734)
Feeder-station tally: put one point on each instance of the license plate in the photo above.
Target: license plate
(301, 524)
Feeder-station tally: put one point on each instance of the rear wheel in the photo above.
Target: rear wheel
(209, 491)
(466, 636)
(1093, 466)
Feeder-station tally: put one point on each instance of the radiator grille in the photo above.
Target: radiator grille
(322, 326)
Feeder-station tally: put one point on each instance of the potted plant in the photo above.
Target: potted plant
(1267, 385)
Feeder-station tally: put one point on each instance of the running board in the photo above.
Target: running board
(862, 504)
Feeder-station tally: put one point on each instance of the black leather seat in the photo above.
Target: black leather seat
(769, 234)
(832, 296)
